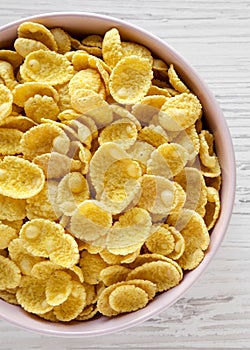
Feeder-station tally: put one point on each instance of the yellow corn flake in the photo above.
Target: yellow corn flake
(7, 75)
(7, 234)
(58, 288)
(111, 47)
(11, 209)
(113, 274)
(179, 244)
(130, 79)
(66, 253)
(164, 274)
(161, 241)
(38, 32)
(43, 270)
(148, 107)
(25, 46)
(10, 276)
(10, 141)
(92, 265)
(82, 60)
(48, 67)
(49, 316)
(86, 79)
(74, 304)
(129, 232)
(212, 207)
(64, 96)
(39, 107)
(194, 185)
(93, 40)
(31, 295)
(134, 49)
(39, 140)
(122, 131)
(101, 161)
(5, 102)
(42, 205)
(211, 172)
(128, 298)
(90, 221)
(20, 123)
(23, 92)
(8, 297)
(180, 112)
(72, 190)
(76, 273)
(41, 236)
(12, 57)
(103, 305)
(87, 313)
(19, 178)
(150, 257)
(153, 135)
(62, 40)
(175, 80)
(167, 160)
(156, 90)
(179, 201)
(92, 104)
(189, 139)
(121, 185)
(195, 233)
(157, 195)
(207, 155)
(117, 259)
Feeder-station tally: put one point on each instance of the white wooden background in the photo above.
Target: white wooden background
(215, 37)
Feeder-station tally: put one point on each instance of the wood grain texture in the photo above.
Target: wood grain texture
(214, 36)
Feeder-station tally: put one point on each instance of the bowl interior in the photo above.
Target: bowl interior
(86, 23)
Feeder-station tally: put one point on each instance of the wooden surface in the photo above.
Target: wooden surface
(214, 36)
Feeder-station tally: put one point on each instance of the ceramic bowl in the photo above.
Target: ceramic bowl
(88, 23)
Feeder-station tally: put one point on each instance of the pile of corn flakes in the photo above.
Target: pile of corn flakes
(109, 180)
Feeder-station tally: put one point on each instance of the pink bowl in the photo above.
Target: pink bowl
(80, 22)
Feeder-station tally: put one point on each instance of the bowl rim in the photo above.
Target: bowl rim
(139, 317)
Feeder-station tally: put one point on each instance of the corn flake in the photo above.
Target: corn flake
(20, 179)
(164, 274)
(175, 80)
(58, 288)
(7, 234)
(130, 79)
(90, 221)
(129, 232)
(113, 274)
(5, 102)
(12, 57)
(39, 140)
(25, 46)
(195, 233)
(127, 298)
(111, 47)
(31, 295)
(48, 67)
(10, 276)
(62, 40)
(38, 32)
(212, 208)
(180, 112)
(167, 160)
